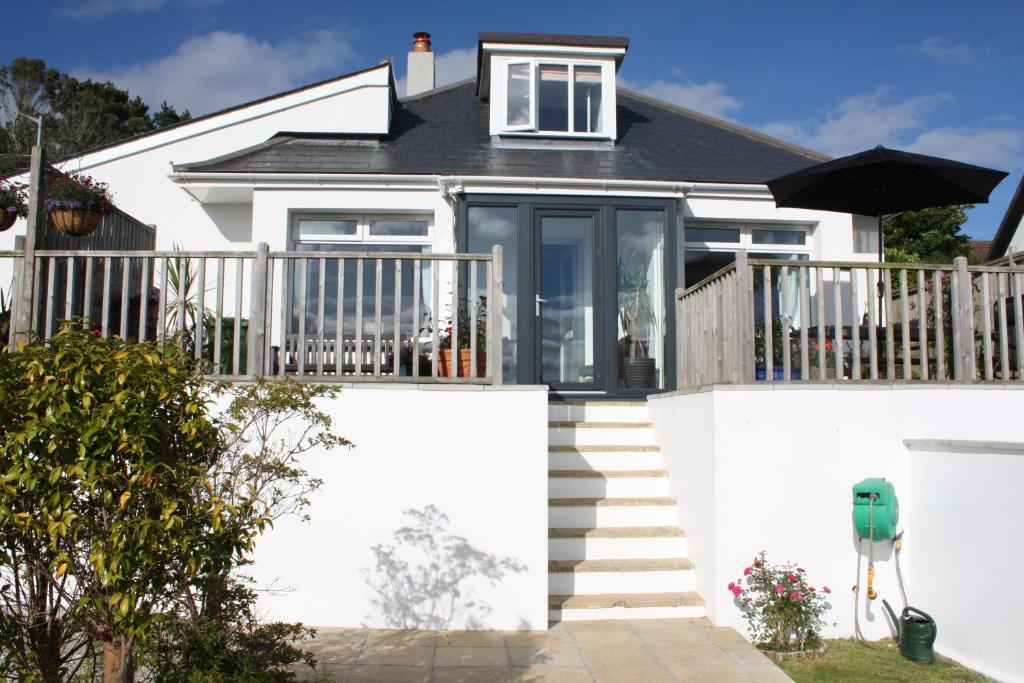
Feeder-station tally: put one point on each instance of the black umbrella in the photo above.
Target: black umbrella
(881, 182)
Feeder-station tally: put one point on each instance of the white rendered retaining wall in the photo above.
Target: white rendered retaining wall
(479, 455)
(771, 467)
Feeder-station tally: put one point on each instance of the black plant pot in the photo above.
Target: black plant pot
(639, 373)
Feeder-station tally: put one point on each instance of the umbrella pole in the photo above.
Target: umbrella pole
(881, 274)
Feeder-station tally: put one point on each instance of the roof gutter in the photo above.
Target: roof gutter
(464, 183)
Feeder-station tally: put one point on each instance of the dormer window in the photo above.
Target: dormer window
(545, 97)
(554, 86)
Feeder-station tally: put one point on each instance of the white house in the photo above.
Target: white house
(592, 454)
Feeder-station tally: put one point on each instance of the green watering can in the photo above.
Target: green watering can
(916, 634)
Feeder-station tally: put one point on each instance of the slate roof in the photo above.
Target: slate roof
(446, 131)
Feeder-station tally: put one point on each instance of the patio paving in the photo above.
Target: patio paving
(643, 651)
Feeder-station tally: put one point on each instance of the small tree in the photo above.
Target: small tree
(104, 444)
(927, 236)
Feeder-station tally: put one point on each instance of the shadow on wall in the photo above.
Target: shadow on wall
(423, 580)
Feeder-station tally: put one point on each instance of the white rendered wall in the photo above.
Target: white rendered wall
(772, 468)
(478, 455)
(964, 531)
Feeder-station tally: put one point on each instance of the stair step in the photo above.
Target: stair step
(581, 402)
(608, 502)
(557, 424)
(631, 565)
(608, 460)
(608, 484)
(605, 474)
(617, 532)
(612, 512)
(627, 600)
(604, 449)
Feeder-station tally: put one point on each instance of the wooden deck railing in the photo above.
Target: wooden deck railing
(367, 316)
(800, 321)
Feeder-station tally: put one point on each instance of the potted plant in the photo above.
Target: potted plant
(77, 203)
(12, 203)
(446, 363)
(638, 369)
(784, 611)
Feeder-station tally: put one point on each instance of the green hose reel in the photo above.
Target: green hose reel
(883, 514)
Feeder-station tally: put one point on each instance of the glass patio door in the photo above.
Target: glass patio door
(565, 302)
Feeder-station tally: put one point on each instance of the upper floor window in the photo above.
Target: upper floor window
(546, 97)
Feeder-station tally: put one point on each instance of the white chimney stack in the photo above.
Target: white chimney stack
(420, 76)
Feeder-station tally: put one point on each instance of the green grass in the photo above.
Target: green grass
(851, 661)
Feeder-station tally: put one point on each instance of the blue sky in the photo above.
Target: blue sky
(937, 77)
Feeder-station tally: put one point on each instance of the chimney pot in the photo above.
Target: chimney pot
(421, 42)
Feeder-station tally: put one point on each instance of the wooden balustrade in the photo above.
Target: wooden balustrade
(822, 321)
(349, 316)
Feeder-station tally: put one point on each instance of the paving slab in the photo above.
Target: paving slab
(630, 651)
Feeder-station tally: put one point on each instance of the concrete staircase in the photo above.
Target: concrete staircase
(615, 550)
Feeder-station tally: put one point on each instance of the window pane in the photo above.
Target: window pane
(712, 234)
(700, 264)
(640, 244)
(517, 95)
(349, 297)
(398, 228)
(770, 236)
(587, 99)
(326, 226)
(553, 94)
(780, 257)
(488, 226)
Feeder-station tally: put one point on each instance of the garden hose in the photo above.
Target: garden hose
(898, 545)
(856, 595)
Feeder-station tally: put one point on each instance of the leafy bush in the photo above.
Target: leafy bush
(783, 610)
(225, 645)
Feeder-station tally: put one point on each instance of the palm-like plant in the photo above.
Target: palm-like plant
(182, 285)
(634, 306)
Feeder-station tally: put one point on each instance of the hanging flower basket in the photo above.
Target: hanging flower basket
(76, 222)
(12, 203)
(77, 203)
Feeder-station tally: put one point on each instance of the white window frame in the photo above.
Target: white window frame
(746, 241)
(531, 69)
(533, 127)
(362, 235)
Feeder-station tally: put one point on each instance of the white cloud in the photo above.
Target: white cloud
(944, 51)
(863, 121)
(860, 122)
(94, 9)
(1002, 148)
(708, 98)
(222, 69)
(449, 67)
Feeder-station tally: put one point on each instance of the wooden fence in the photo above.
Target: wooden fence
(349, 316)
(799, 321)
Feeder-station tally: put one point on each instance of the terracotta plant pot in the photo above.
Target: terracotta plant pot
(77, 222)
(444, 363)
(7, 219)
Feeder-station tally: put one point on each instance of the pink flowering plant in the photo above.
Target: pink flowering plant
(70, 191)
(783, 609)
(12, 199)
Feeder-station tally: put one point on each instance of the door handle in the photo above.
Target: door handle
(539, 301)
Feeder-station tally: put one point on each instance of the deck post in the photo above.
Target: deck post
(258, 312)
(495, 289)
(963, 323)
(23, 308)
(745, 320)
